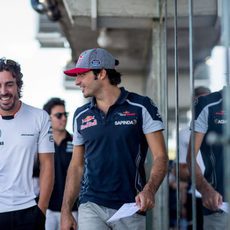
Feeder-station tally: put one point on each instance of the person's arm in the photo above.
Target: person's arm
(184, 135)
(211, 199)
(146, 198)
(46, 179)
(72, 188)
(184, 172)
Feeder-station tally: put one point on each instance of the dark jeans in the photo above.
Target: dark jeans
(199, 212)
(25, 219)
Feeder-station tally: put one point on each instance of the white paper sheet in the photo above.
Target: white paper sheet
(225, 207)
(125, 210)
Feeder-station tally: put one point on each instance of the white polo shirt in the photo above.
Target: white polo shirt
(27, 134)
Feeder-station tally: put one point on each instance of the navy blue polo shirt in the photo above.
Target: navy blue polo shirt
(209, 117)
(62, 158)
(115, 148)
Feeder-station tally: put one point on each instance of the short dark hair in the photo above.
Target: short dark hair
(113, 75)
(53, 102)
(201, 90)
(15, 69)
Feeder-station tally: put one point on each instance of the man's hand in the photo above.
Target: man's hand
(43, 209)
(211, 199)
(145, 200)
(68, 222)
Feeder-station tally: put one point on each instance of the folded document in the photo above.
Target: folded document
(125, 210)
(225, 207)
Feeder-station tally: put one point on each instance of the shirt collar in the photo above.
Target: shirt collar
(121, 99)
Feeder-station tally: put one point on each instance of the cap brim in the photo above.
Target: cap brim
(75, 71)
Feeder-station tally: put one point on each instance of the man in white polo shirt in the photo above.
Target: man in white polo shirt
(24, 132)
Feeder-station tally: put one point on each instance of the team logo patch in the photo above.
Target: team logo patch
(87, 122)
(96, 63)
(88, 119)
(127, 114)
(220, 113)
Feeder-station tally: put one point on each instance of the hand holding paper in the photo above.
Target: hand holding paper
(225, 207)
(126, 210)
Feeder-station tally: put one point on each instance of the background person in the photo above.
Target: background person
(209, 117)
(24, 132)
(55, 107)
(111, 137)
(184, 136)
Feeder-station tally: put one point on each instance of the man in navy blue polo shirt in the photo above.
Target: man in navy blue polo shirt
(111, 137)
(209, 117)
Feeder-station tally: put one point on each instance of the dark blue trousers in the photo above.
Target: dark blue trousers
(25, 219)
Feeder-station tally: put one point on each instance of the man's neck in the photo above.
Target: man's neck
(59, 136)
(108, 98)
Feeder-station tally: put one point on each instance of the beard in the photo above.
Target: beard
(11, 105)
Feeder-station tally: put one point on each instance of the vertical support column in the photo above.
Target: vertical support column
(155, 89)
(152, 90)
(94, 15)
(226, 41)
(176, 75)
(191, 78)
